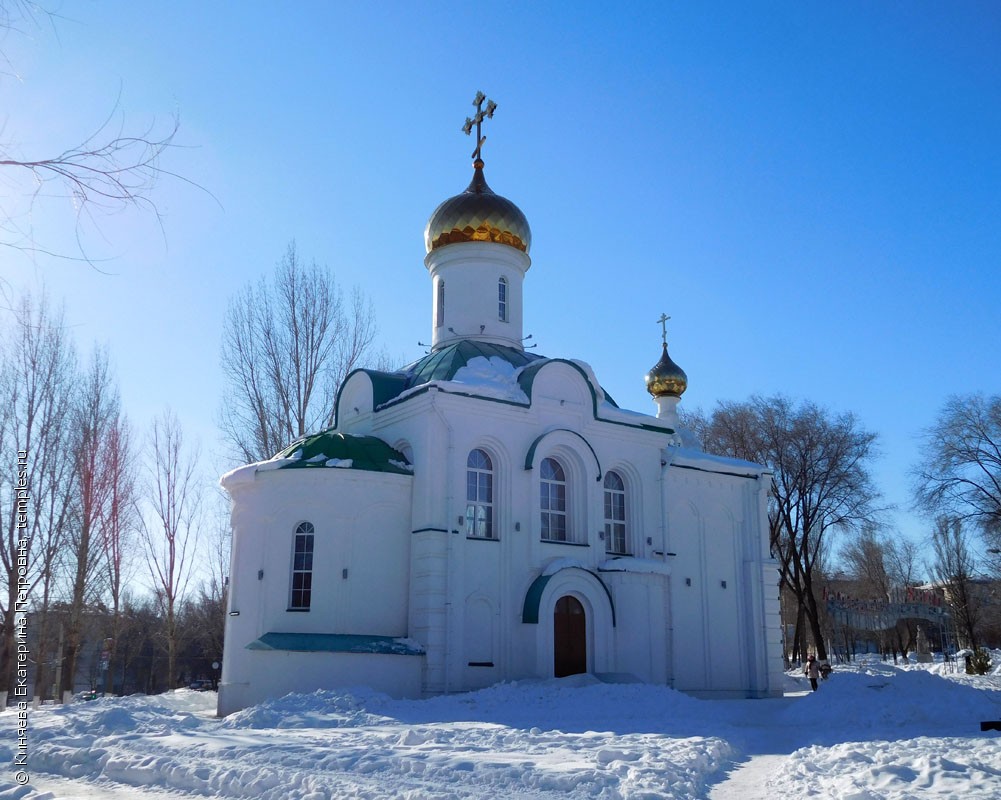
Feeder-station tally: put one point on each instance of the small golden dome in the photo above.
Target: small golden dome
(666, 379)
(478, 215)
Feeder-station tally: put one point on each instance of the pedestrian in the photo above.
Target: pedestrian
(812, 670)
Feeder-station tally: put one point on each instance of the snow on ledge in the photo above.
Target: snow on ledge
(245, 474)
(645, 566)
(696, 459)
(609, 412)
(557, 564)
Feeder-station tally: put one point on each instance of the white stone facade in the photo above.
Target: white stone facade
(408, 597)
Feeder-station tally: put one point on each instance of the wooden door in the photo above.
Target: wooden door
(569, 637)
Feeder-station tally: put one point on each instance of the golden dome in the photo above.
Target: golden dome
(478, 215)
(666, 379)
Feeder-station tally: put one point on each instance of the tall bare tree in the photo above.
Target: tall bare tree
(822, 481)
(94, 420)
(287, 345)
(36, 384)
(954, 568)
(170, 534)
(118, 529)
(960, 469)
(57, 514)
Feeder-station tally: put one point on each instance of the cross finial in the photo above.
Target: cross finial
(663, 327)
(477, 120)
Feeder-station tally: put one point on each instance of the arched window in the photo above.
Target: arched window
(502, 299)
(479, 495)
(553, 500)
(441, 303)
(302, 567)
(615, 513)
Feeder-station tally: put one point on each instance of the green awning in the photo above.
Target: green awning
(336, 643)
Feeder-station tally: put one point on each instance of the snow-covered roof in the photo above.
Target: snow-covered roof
(329, 449)
(491, 371)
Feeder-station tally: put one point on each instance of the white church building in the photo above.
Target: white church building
(489, 514)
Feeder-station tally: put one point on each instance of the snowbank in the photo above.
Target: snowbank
(871, 731)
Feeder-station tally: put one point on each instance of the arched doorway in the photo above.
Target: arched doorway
(569, 637)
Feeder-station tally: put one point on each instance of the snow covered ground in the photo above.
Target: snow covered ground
(872, 731)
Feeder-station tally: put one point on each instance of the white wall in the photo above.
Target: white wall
(459, 583)
(413, 572)
(272, 674)
(720, 591)
(360, 562)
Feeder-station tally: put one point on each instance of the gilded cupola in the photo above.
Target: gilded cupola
(666, 379)
(476, 289)
(666, 382)
(478, 214)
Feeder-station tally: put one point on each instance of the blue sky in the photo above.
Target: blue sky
(811, 191)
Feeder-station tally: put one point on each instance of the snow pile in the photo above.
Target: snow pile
(871, 732)
(921, 767)
(488, 377)
(877, 696)
(534, 739)
(320, 709)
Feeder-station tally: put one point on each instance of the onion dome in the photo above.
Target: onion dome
(666, 379)
(478, 215)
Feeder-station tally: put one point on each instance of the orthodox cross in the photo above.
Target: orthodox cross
(663, 327)
(477, 120)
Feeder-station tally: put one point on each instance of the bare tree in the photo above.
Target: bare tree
(954, 569)
(866, 559)
(108, 171)
(960, 469)
(903, 562)
(878, 563)
(57, 513)
(287, 345)
(94, 420)
(170, 536)
(118, 529)
(822, 481)
(37, 380)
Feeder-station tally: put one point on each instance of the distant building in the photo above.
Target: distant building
(985, 602)
(488, 514)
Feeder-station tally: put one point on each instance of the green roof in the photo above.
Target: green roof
(443, 364)
(346, 451)
(336, 643)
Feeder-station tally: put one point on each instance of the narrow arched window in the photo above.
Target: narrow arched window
(553, 500)
(302, 567)
(479, 495)
(441, 303)
(615, 514)
(502, 299)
